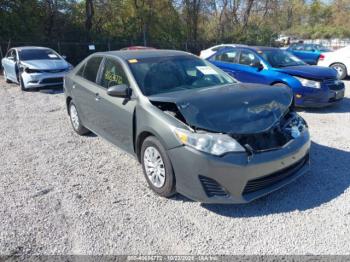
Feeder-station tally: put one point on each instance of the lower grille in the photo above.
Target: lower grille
(333, 85)
(212, 188)
(270, 180)
(52, 80)
(55, 71)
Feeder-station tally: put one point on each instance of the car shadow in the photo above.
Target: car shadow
(342, 106)
(52, 90)
(328, 178)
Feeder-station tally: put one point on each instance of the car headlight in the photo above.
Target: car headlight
(212, 143)
(308, 82)
(31, 71)
(296, 125)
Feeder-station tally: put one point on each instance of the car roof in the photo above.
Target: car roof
(30, 47)
(259, 48)
(141, 54)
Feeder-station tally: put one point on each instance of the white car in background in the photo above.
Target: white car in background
(212, 50)
(33, 67)
(339, 60)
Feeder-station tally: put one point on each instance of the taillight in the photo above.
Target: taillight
(322, 57)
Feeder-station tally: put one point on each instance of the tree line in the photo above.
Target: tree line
(171, 23)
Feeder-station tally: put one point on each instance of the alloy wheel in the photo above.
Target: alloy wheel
(154, 166)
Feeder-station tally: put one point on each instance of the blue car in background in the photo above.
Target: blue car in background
(309, 53)
(313, 86)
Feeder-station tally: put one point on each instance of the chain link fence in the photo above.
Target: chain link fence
(77, 51)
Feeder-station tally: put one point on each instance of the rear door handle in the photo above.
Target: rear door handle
(97, 97)
(73, 86)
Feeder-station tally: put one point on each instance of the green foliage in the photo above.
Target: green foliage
(172, 23)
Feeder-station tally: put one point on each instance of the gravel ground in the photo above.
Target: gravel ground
(65, 194)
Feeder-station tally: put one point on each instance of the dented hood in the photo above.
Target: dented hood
(310, 72)
(232, 109)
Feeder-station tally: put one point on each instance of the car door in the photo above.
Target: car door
(227, 60)
(307, 53)
(247, 71)
(10, 65)
(115, 114)
(85, 92)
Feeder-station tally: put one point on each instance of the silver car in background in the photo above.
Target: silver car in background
(34, 67)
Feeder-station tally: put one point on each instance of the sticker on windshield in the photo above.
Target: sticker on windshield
(52, 56)
(207, 70)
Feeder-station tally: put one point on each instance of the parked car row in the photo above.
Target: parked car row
(313, 86)
(218, 130)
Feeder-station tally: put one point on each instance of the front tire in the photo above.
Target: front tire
(75, 120)
(341, 70)
(21, 84)
(157, 167)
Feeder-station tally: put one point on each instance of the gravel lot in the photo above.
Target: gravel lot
(65, 194)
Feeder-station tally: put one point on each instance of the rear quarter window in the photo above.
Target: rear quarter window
(90, 69)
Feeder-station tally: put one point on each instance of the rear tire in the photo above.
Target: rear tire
(157, 167)
(75, 120)
(341, 69)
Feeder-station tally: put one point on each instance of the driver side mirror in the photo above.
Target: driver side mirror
(122, 91)
(257, 65)
(12, 58)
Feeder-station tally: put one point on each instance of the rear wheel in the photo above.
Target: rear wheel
(157, 167)
(75, 120)
(341, 70)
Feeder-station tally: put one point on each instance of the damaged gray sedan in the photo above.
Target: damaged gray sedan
(195, 130)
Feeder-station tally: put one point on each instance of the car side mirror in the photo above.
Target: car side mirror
(257, 65)
(12, 58)
(122, 91)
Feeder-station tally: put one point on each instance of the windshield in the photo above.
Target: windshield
(37, 54)
(281, 58)
(322, 48)
(174, 73)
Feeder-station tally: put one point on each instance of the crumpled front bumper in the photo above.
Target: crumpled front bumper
(234, 178)
(35, 80)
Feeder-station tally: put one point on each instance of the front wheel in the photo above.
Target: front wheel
(280, 84)
(341, 70)
(21, 84)
(75, 120)
(157, 167)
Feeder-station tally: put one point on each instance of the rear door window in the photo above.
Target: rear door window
(91, 68)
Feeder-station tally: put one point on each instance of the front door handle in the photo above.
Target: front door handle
(97, 97)
(73, 86)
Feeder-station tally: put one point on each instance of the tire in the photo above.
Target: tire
(75, 120)
(166, 187)
(280, 84)
(341, 69)
(21, 84)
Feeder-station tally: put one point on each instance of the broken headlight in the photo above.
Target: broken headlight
(212, 143)
(295, 126)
